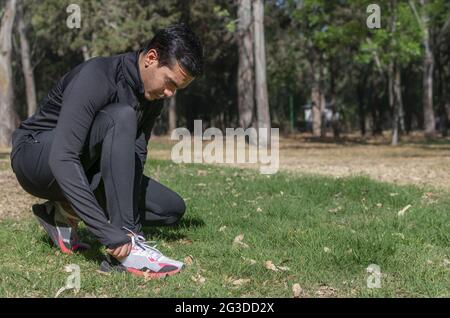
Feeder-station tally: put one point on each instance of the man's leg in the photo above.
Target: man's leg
(159, 205)
(111, 149)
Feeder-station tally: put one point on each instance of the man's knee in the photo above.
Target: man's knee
(121, 114)
(169, 214)
(178, 209)
(175, 210)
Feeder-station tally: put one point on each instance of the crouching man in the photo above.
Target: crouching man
(85, 148)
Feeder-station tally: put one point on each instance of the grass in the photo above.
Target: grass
(325, 231)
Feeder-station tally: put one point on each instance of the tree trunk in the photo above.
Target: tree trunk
(27, 69)
(428, 65)
(334, 119)
(392, 103)
(374, 105)
(246, 84)
(172, 114)
(440, 93)
(361, 92)
(398, 117)
(316, 100)
(392, 73)
(8, 115)
(262, 100)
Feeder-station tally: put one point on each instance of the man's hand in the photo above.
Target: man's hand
(120, 252)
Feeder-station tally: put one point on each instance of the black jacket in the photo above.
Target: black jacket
(70, 108)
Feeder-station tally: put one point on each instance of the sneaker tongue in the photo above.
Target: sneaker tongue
(152, 252)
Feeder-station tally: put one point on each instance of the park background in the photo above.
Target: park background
(363, 115)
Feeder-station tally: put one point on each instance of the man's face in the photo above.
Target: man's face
(161, 82)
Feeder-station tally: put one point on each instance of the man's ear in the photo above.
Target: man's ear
(151, 57)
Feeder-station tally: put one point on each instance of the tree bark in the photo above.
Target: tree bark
(27, 68)
(442, 92)
(246, 83)
(392, 103)
(428, 65)
(392, 79)
(334, 119)
(8, 115)
(398, 117)
(262, 100)
(316, 98)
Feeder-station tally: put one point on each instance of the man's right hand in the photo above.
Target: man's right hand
(120, 252)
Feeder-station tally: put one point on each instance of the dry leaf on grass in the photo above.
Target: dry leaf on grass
(222, 229)
(240, 282)
(250, 261)
(202, 173)
(297, 290)
(103, 273)
(188, 260)
(271, 266)
(238, 241)
(326, 291)
(185, 241)
(198, 279)
(402, 211)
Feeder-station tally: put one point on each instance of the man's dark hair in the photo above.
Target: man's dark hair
(178, 43)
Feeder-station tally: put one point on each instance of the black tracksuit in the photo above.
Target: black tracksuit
(87, 144)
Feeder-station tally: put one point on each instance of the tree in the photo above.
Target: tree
(245, 80)
(8, 115)
(27, 67)
(428, 65)
(262, 100)
(392, 48)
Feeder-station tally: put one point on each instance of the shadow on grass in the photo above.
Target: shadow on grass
(92, 254)
(171, 233)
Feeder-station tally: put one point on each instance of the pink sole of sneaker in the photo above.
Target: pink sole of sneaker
(140, 273)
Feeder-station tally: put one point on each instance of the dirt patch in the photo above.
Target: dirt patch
(413, 162)
(15, 203)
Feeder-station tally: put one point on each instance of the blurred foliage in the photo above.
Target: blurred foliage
(297, 32)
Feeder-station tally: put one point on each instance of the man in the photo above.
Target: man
(85, 148)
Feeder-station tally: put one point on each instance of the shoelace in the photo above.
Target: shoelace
(140, 241)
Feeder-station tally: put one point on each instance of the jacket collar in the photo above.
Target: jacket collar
(130, 67)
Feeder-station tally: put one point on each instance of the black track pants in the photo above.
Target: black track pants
(113, 169)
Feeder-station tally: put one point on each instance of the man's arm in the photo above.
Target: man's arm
(87, 93)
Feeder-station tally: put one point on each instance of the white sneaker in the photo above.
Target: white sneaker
(146, 260)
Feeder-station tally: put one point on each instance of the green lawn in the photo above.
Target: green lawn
(322, 232)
